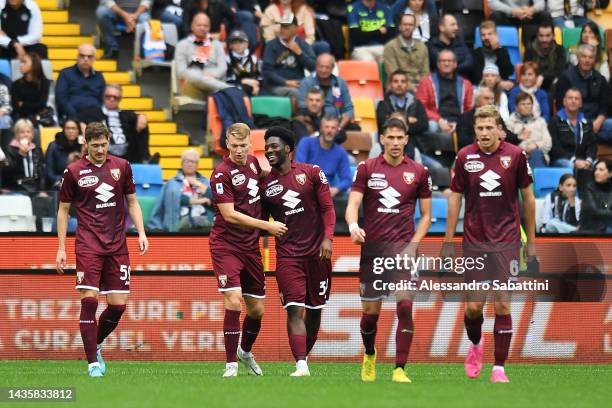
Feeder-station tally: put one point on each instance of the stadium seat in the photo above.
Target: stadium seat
(358, 144)
(383, 74)
(215, 124)
(546, 179)
(604, 151)
(179, 101)
(148, 179)
(146, 205)
(47, 135)
(365, 114)
(16, 213)
(279, 106)
(170, 37)
(362, 78)
(509, 39)
(603, 17)
(258, 144)
(5, 68)
(72, 225)
(538, 213)
(571, 37)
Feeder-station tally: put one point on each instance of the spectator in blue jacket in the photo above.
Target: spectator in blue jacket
(79, 86)
(285, 59)
(528, 83)
(337, 97)
(185, 200)
(63, 151)
(328, 155)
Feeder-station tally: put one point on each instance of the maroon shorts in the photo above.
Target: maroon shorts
(502, 265)
(240, 271)
(304, 282)
(103, 273)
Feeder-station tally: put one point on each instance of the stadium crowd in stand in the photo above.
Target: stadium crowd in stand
(438, 62)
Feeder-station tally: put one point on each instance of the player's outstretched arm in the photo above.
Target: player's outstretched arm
(352, 216)
(136, 216)
(530, 223)
(62, 230)
(232, 216)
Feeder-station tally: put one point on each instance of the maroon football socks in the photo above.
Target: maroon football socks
(109, 319)
(473, 327)
(503, 335)
(250, 330)
(297, 342)
(404, 332)
(88, 327)
(231, 334)
(368, 331)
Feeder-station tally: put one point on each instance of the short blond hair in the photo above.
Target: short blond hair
(488, 25)
(488, 111)
(21, 124)
(238, 131)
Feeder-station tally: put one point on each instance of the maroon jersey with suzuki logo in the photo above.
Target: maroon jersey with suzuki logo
(233, 183)
(490, 183)
(97, 193)
(389, 197)
(301, 200)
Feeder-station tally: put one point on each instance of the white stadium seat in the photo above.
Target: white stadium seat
(16, 214)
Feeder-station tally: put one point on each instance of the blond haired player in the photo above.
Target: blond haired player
(234, 246)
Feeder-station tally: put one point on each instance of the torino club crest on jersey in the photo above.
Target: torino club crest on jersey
(505, 161)
(301, 178)
(408, 177)
(115, 174)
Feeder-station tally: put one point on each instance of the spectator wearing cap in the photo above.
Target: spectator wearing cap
(275, 12)
(406, 53)
(285, 59)
(200, 59)
(371, 25)
(243, 67)
(21, 29)
(338, 101)
(492, 80)
(328, 155)
(492, 53)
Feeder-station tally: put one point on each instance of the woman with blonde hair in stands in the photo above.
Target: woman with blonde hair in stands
(273, 14)
(25, 168)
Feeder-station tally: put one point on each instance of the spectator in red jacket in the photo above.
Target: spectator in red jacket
(445, 94)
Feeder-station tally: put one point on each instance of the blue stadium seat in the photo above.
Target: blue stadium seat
(439, 212)
(5, 68)
(509, 39)
(148, 179)
(546, 179)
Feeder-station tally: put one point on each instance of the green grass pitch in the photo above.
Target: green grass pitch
(166, 384)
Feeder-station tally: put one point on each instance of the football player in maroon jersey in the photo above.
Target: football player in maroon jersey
(96, 186)
(489, 173)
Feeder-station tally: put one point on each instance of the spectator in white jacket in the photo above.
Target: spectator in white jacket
(532, 131)
(21, 29)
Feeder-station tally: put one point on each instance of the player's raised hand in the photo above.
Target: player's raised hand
(326, 249)
(358, 235)
(277, 228)
(143, 244)
(60, 261)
